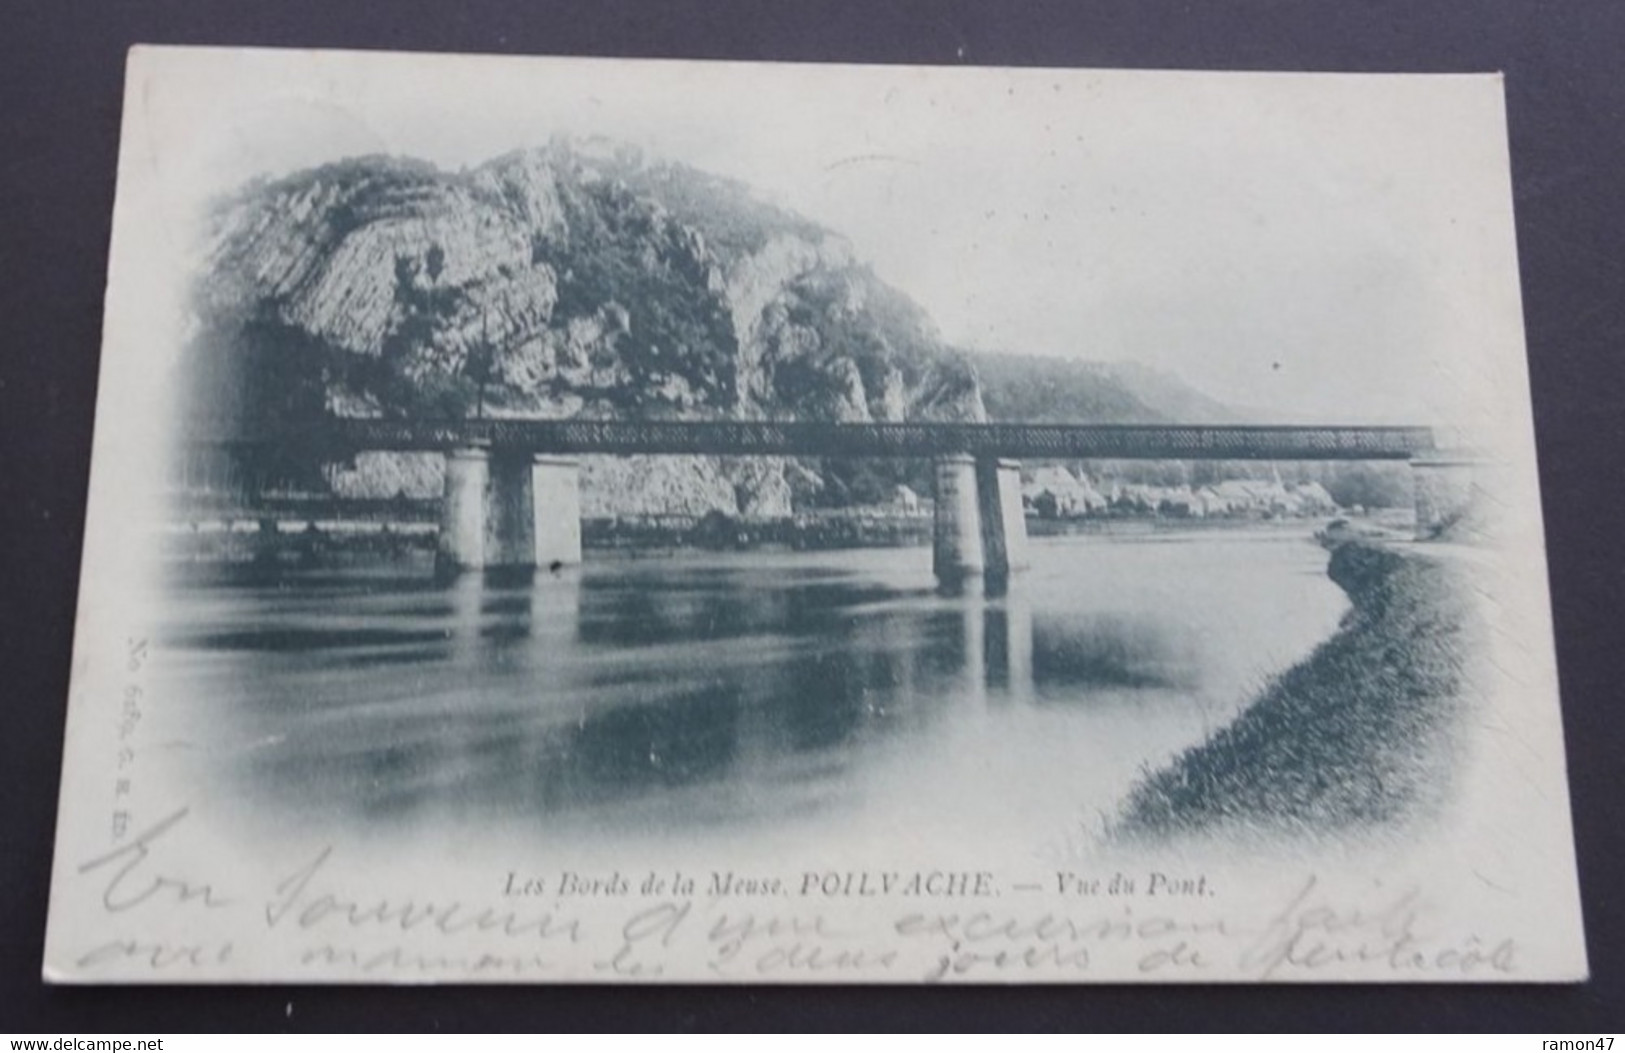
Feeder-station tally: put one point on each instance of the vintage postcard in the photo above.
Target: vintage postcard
(562, 520)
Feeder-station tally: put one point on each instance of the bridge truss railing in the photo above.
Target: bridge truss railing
(335, 435)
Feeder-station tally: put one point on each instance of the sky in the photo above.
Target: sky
(1329, 248)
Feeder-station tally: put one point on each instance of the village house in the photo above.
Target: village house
(1055, 492)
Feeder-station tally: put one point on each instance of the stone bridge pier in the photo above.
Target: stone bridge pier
(980, 529)
(508, 509)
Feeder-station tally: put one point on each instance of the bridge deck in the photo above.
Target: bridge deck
(819, 439)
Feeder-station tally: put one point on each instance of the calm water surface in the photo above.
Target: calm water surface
(730, 695)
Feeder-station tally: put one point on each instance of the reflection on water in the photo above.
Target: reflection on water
(731, 691)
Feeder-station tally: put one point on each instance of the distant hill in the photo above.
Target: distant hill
(1063, 391)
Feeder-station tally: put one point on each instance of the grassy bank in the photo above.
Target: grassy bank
(1361, 732)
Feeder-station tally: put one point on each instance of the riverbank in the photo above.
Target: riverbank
(1362, 732)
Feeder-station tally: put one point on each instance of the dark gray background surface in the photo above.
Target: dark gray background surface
(61, 70)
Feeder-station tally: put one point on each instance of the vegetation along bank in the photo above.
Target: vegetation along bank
(1363, 731)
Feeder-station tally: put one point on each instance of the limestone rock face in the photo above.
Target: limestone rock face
(761, 486)
(389, 475)
(336, 252)
(573, 279)
(679, 485)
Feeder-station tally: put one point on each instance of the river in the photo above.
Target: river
(727, 698)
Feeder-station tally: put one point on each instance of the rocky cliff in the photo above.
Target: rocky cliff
(574, 279)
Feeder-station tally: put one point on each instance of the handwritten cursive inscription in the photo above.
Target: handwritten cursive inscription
(305, 921)
(309, 908)
(130, 885)
(1313, 934)
(984, 942)
(397, 959)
